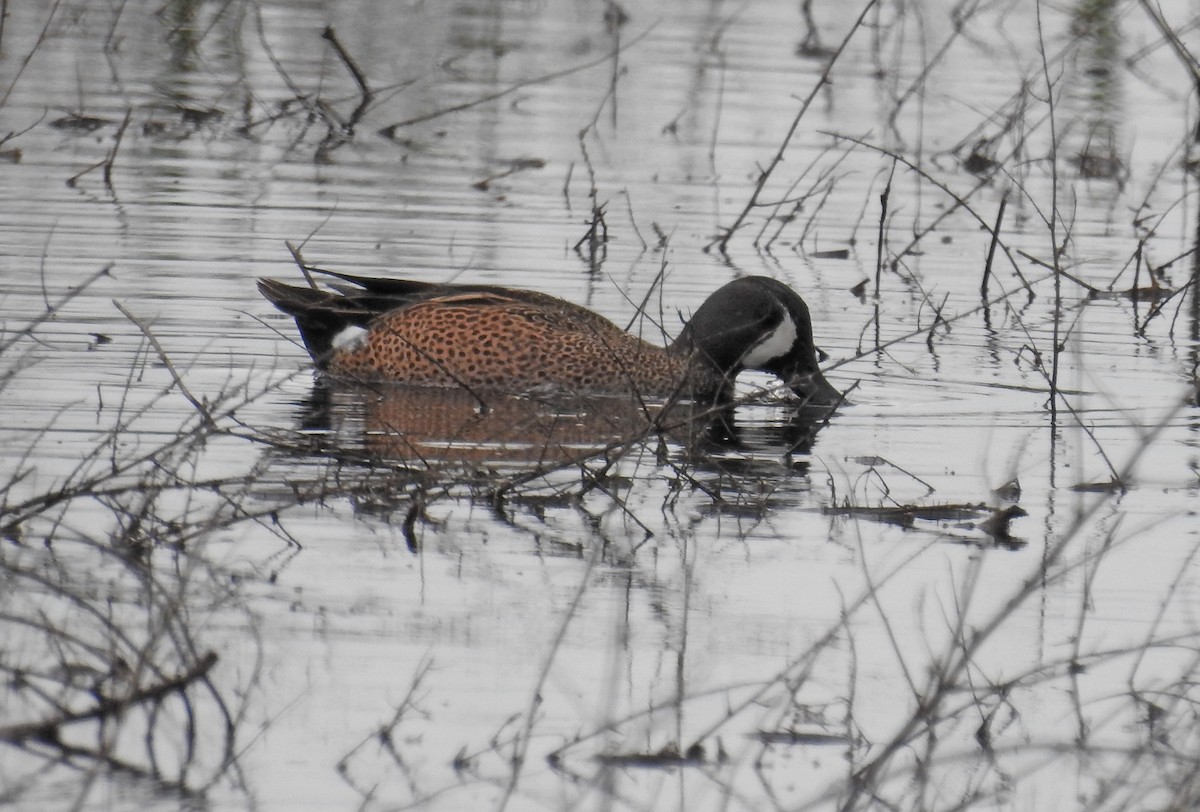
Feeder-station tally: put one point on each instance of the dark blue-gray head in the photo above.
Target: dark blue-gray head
(757, 323)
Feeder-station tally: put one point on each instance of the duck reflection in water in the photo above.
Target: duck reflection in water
(430, 427)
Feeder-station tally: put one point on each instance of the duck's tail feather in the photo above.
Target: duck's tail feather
(320, 315)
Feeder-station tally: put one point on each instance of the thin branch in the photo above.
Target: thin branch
(162, 356)
(48, 730)
(765, 174)
(390, 130)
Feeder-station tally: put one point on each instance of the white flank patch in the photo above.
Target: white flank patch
(350, 338)
(778, 342)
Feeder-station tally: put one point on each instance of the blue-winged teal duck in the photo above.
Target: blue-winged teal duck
(496, 338)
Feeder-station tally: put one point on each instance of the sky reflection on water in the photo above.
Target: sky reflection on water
(728, 625)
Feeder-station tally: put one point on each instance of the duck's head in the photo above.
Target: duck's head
(758, 323)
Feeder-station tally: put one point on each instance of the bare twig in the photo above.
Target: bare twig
(359, 78)
(883, 214)
(48, 729)
(205, 414)
(1056, 348)
(765, 174)
(366, 95)
(987, 266)
(390, 130)
(52, 308)
(1186, 58)
(42, 35)
(112, 153)
(946, 190)
(304, 267)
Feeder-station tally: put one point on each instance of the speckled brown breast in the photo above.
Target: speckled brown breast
(494, 342)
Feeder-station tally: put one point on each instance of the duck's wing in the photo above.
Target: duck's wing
(357, 301)
(383, 286)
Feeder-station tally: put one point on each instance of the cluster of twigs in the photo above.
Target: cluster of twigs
(959, 717)
(106, 662)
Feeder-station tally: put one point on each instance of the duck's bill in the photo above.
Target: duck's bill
(814, 390)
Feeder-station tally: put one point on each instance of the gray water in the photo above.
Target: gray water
(936, 599)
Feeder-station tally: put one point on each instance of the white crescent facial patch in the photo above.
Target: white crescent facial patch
(778, 342)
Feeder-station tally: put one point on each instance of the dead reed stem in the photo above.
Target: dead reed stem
(1057, 348)
(991, 254)
(883, 215)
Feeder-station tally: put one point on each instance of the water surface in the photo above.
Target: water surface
(934, 599)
